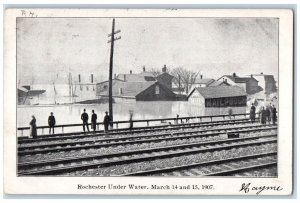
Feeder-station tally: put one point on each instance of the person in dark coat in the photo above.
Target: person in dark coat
(51, 123)
(130, 121)
(177, 118)
(85, 118)
(230, 112)
(263, 116)
(269, 113)
(106, 121)
(274, 115)
(94, 120)
(33, 131)
(252, 113)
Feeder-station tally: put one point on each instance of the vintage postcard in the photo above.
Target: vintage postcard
(148, 101)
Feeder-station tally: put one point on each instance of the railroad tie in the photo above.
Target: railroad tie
(246, 174)
(188, 173)
(176, 173)
(197, 172)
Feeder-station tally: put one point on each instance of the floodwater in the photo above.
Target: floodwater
(71, 113)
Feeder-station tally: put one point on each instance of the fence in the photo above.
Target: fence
(146, 122)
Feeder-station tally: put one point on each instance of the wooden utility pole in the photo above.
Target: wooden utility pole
(112, 40)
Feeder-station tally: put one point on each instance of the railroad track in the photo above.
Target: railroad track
(159, 137)
(220, 167)
(65, 165)
(78, 135)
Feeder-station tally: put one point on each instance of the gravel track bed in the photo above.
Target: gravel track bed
(129, 147)
(267, 172)
(209, 129)
(175, 161)
(204, 170)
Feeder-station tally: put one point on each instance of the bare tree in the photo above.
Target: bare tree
(184, 77)
(155, 72)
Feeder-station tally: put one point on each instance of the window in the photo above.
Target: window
(156, 89)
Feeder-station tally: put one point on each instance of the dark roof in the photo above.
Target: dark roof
(238, 79)
(269, 79)
(217, 83)
(129, 89)
(204, 81)
(164, 74)
(220, 91)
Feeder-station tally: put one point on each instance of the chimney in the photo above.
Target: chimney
(201, 76)
(115, 76)
(234, 75)
(261, 73)
(79, 79)
(144, 69)
(164, 69)
(225, 80)
(130, 71)
(120, 91)
(92, 78)
(125, 77)
(251, 76)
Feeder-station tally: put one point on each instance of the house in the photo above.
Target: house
(218, 83)
(267, 82)
(136, 91)
(218, 96)
(249, 84)
(131, 77)
(201, 82)
(165, 78)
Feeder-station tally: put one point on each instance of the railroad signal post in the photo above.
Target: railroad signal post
(112, 40)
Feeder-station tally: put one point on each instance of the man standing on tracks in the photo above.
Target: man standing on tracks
(85, 118)
(252, 113)
(94, 120)
(263, 116)
(106, 121)
(51, 123)
(268, 113)
(274, 115)
(130, 120)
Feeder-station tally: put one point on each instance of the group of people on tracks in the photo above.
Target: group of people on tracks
(267, 114)
(84, 118)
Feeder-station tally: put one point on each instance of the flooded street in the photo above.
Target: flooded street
(70, 114)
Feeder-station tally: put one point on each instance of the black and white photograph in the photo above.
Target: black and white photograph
(149, 96)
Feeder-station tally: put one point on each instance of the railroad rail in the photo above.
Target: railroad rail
(224, 167)
(158, 137)
(134, 131)
(65, 165)
(147, 121)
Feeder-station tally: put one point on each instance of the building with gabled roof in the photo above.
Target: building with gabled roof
(218, 96)
(165, 78)
(218, 83)
(266, 82)
(137, 91)
(249, 84)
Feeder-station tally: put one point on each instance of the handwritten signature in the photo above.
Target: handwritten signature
(259, 189)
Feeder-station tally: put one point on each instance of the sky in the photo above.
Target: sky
(48, 47)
